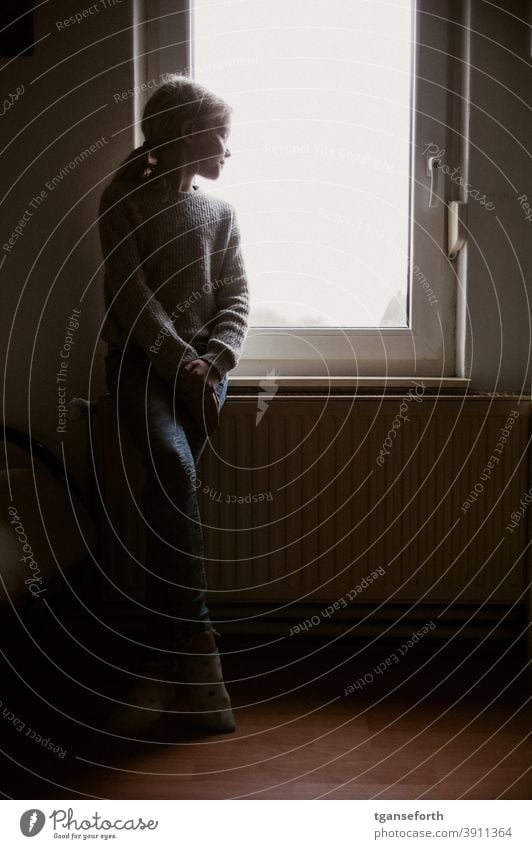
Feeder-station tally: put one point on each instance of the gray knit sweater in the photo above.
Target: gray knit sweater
(174, 275)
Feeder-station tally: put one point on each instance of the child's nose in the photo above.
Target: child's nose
(227, 152)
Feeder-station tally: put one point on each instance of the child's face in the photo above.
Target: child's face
(210, 147)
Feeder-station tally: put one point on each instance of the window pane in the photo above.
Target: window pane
(320, 153)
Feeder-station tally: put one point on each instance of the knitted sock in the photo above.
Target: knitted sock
(207, 696)
(146, 702)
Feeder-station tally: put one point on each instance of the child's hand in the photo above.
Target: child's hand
(197, 376)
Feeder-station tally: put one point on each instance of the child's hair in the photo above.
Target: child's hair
(178, 99)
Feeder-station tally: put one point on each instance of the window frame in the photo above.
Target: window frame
(428, 346)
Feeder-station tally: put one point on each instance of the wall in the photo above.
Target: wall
(52, 268)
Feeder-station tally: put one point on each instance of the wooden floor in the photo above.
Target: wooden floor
(446, 722)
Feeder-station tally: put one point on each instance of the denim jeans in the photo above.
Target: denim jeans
(170, 444)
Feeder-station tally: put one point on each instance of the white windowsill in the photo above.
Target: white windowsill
(459, 384)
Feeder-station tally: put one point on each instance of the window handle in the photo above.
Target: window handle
(456, 228)
(433, 171)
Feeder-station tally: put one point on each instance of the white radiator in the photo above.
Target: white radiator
(304, 496)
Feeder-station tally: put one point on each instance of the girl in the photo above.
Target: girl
(177, 310)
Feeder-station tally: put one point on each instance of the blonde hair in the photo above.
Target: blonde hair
(178, 100)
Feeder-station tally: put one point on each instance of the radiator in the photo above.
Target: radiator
(405, 498)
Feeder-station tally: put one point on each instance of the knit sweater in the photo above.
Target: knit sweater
(174, 276)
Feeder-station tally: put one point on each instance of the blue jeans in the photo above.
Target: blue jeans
(170, 444)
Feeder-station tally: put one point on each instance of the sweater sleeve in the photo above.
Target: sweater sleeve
(134, 304)
(230, 325)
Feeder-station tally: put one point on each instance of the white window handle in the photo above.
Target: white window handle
(433, 171)
(456, 228)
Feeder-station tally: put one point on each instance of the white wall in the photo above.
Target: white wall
(69, 102)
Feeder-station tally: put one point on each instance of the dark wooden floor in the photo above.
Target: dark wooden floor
(446, 722)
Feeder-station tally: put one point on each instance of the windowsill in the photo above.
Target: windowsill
(347, 382)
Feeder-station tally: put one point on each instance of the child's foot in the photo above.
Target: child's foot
(203, 683)
(146, 702)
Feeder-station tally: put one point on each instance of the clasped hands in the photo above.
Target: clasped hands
(196, 385)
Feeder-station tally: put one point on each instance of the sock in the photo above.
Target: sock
(204, 686)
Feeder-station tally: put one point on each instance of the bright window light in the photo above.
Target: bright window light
(319, 171)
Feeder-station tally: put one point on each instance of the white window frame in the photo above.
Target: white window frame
(428, 346)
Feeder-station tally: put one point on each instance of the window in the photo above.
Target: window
(337, 109)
